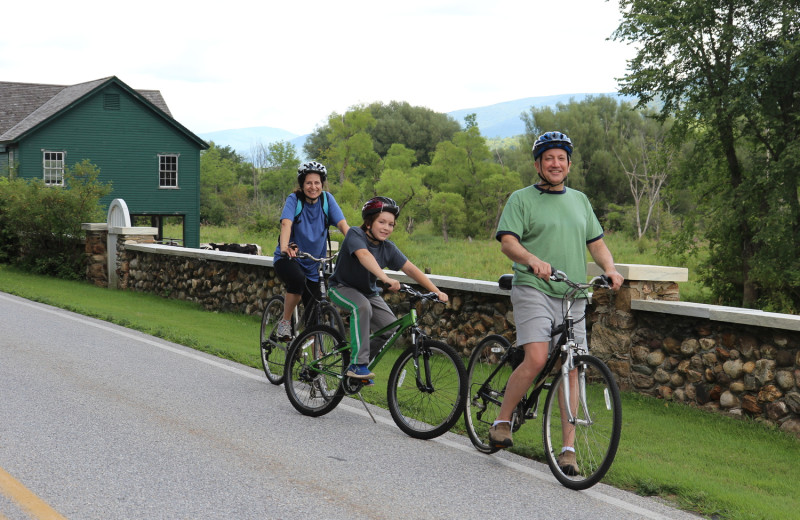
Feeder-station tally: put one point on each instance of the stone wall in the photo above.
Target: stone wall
(726, 367)
(731, 368)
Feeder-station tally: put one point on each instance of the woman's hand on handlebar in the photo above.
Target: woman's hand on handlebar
(290, 251)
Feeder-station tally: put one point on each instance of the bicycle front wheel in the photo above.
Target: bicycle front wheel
(487, 377)
(596, 406)
(273, 351)
(315, 365)
(426, 402)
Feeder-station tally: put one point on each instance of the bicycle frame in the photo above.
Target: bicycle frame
(402, 324)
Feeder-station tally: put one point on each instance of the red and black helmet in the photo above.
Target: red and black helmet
(378, 204)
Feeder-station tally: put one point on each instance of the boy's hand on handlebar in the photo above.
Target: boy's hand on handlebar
(392, 285)
(442, 296)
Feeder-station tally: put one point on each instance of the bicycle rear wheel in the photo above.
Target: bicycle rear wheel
(315, 365)
(598, 425)
(487, 377)
(427, 407)
(273, 352)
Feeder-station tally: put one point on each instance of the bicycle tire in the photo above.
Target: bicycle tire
(329, 315)
(273, 352)
(315, 391)
(422, 413)
(596, 436)
(486, 395)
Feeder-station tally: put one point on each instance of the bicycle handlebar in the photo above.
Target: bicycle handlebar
(602, 281)
(301, 254)
(430, 296)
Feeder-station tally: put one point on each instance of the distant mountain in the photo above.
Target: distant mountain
(503, 119)
(243, 139)
(499, 120)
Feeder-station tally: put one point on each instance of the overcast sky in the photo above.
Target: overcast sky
(288, 64)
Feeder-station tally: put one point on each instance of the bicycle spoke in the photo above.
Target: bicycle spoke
(595, 435)
(427, 407)
(314, 370)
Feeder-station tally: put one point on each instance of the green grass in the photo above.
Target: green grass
(426, 249)
(714, 465)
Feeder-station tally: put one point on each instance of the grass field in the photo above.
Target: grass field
(720, 467)
(478, 258)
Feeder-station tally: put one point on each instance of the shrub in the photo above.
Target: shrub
(42, 224)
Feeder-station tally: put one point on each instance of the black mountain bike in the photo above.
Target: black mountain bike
(595, 411)
(320, 312)
(426, 386)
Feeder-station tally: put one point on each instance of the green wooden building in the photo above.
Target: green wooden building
(151, 160)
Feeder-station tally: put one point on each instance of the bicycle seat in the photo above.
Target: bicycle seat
(505, 281)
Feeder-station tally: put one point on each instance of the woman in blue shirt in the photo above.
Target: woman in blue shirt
(306, 231)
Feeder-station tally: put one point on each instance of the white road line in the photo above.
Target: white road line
(541, 475)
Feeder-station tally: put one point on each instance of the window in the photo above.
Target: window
(167, 171)
(53, 163)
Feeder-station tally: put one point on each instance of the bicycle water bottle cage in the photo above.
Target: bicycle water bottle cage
(505, 281)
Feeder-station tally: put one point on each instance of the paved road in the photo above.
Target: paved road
(101, 422)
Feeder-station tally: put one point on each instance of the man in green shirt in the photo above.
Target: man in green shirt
(544, 226)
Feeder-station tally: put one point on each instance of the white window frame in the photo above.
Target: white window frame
(167, 175)
(53, 167)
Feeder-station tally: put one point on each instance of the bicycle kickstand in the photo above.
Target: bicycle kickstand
(366, 408)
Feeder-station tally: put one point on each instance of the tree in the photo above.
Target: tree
(278, 170)
(726, 70)
(646, 157)
(447, 211)
(417, 128)
(351, 153)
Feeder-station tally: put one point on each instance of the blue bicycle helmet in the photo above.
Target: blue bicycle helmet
(550, 140)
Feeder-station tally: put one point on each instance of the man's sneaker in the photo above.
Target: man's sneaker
(359, 372)
(568, 463)
(500, 435)
(284, 330)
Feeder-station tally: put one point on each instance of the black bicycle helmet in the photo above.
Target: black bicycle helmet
(550, 140)
(378, 204)
(311, 167)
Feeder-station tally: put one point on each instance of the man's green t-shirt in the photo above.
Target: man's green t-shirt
(554, 226)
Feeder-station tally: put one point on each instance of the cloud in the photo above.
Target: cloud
(290, 64)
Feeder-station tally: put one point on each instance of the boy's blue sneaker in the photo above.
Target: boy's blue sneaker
(359, 372)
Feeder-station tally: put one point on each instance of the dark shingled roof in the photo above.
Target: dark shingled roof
(25, 105)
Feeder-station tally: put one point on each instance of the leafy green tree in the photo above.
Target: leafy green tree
(464, 166)
(725, 70)
(417, 128)
(218, 174)
(448, 212)
(351, 155)
(278, 170)
(408, 190)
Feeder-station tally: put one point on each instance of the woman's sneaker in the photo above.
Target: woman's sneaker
(359, 372)
(284, 330)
